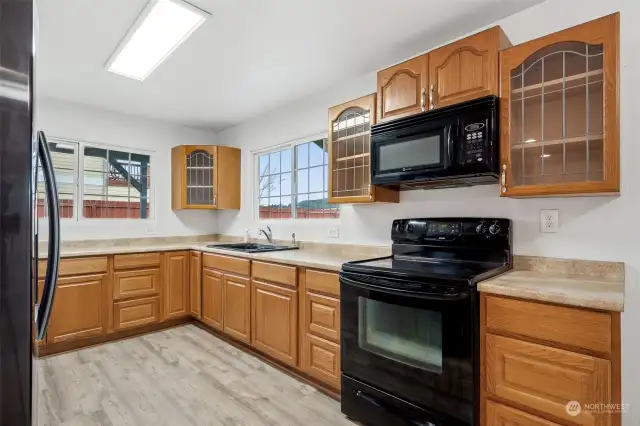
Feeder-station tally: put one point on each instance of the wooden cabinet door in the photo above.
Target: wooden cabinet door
(176, 282)
(320, 358)
(237, 307)
(212, 298)
(136, 312)
(349, 149)
(547, 379)
(274, 327)
(195, 284)
(322, 316)
(559, 113)
(501, 415)
(465, 70)
(79, 308)
(193, 177)
(402, 89)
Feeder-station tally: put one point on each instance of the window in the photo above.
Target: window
(292, 183)
(115, 184)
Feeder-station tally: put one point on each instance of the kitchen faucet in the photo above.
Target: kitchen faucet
(268, 233)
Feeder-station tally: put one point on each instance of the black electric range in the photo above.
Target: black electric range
(410, 322)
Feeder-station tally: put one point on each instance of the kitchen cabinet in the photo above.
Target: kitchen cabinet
(205, 177)
(533, 370)
(274, 328)
(212, 299)
(136, 312)
(465, 69)
(350, 154)
(237, 307)
(79, 308)
(402, 89)
(176, 284)
(195, 284)
(320, 326)
(560, 113)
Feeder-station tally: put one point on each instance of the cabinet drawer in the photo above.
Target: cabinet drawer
(139, 283)
(226, 263)
(321, 359)
(322, 282)
(275, 273)
(136, 312)
(136, 260)
(546, 379)
(76, 266)
(501, 415)
(566, 326)
(322, 316)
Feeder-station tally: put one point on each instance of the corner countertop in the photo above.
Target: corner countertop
(320, 256)
(585, 284)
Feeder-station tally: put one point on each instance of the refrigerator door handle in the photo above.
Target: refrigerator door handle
(43, 312)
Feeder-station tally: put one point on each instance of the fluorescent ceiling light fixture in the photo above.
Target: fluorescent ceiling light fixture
(161, 27)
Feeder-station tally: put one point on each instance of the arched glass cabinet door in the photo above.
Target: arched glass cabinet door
(199, 178)
(560, 98)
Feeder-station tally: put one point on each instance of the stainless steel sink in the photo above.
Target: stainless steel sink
(251, 247)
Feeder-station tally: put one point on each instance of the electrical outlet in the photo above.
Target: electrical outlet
(549, 221)
(334, 232)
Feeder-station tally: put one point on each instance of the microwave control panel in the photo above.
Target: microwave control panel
(474, 142)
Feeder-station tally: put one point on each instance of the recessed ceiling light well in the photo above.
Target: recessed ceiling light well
(161, 27)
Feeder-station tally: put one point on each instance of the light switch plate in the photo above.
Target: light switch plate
(334, 232)
(549, 221)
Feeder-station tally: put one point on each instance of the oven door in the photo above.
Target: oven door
(415, 346)
(410, 153)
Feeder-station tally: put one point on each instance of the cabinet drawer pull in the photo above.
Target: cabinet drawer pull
(422, 99)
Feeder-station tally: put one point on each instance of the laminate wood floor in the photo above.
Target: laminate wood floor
(180, 376)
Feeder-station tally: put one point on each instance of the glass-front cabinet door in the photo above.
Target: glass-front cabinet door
(199, 179)
(560, 98)
(350, 154)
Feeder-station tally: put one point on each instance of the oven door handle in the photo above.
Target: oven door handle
(390, 409)
(450, 297)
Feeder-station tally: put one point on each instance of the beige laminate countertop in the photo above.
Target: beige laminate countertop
(311, 258)
(600, 288)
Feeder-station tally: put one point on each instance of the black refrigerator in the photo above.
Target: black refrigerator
(24, 160)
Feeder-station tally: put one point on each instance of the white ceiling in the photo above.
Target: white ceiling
(251, 56)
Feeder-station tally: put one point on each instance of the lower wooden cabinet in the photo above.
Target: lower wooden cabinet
(195, 284)
(274, 327)
(237, 307)
(79, 310)
(176, 284)
(136, 312)
(212, 298)
(546, 379)
(320, 359)
(501, 415)
(136, 283)
(322, 316)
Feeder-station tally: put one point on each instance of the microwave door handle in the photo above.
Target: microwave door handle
(449, 297)
(43, 312)
(449, 142)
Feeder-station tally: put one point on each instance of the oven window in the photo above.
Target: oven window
(407, 335)
(411, 153)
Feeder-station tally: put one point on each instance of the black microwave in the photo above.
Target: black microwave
(450, 146)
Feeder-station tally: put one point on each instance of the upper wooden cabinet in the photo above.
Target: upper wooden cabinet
(350, 154)
(205, 177)
(466, 69)
(560, 113)
(402, 89)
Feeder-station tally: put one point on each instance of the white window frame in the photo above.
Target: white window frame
(255, 181)
(78, 207)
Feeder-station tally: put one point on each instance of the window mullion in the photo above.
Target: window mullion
(294, 182)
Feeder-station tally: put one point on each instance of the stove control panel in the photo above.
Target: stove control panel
(449, 229)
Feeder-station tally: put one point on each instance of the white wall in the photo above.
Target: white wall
(82, 123)
(602, 228)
